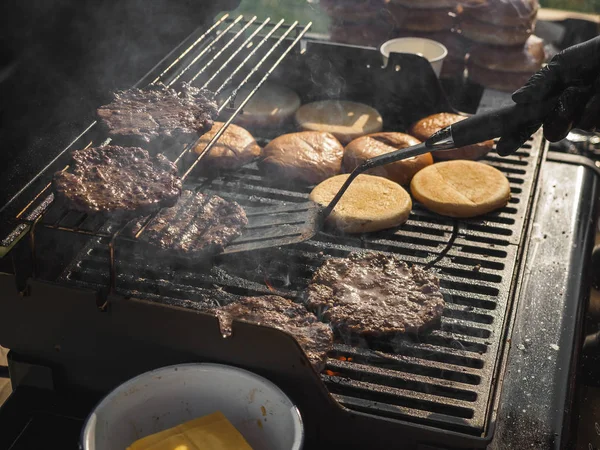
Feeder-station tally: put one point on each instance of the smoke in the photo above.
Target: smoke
(62, 58)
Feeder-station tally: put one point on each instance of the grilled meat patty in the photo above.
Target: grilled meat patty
(374, 294)
(198, 223)
(158, 115)
(315, 338)
(118, 180)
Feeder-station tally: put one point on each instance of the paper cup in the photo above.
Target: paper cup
(432, 51)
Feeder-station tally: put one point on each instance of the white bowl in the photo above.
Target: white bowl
(166, 397)
(432, 51)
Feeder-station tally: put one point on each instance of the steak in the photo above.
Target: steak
(158, 115)
(118, 180)
(376, 295)
(197, 224)
(315, 338)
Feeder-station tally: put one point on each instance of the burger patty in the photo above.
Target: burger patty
(158, 115)
(374, 294)
(198, 223)
(315, 338)
(118, 179)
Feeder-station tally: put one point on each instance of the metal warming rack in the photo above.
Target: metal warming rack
(445, 379)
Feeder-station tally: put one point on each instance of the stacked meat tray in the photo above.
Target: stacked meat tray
(391, 318)
(493, 38)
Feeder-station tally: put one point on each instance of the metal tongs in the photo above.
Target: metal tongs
(277, 226)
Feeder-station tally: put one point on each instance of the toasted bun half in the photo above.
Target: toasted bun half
(308, 157)
(370, 204)
(461, 188)
(367, 147)
(235, 148)
(429, 125)
(345, 120)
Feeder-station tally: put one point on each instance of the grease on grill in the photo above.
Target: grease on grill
(118, 179)
(374, 294)
(199, 224)
(315, 338)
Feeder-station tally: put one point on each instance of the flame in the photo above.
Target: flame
(270, 286)
(331, 373)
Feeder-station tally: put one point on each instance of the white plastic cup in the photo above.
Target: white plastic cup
(166, 397)
(432, 51)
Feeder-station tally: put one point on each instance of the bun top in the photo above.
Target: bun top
(424, 128)
(502, 12)
(526, 59)
(307, 156)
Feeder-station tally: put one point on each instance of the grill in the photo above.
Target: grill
(445, 379)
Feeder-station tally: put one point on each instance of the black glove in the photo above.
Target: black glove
(574, 76)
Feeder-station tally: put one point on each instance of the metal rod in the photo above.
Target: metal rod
(247, 58)
(206, 49)
(256, 88)
(260, 63)
(18, 216)
(146, 223)
(241, 47)
(236, 70)
(41, 172)
(225, 47)
(187, 50)
(112, 263)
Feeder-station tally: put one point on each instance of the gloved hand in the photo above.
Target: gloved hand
(574, 76)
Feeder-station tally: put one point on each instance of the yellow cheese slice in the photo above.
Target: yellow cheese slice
(212, 432)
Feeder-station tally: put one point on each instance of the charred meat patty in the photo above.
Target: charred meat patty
(114, 179)
(158, 115)
(197, 224)
(315, 338)
(373, 294)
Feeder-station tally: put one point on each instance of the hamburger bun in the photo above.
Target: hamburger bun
(461, 188)
(423, 19)
(367, 147)
(424, 128)
(427, 4)
(308, 157)
(345, 120)
(503, 68)
(370, 204)
(486, 33)
(270, 107)
(512, 13)
(235, 148)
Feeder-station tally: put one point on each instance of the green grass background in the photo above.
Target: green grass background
(306, 10)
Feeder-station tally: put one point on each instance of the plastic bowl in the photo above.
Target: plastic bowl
(432, 51)
(166, 397)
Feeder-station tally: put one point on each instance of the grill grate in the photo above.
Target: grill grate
(443, 378)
